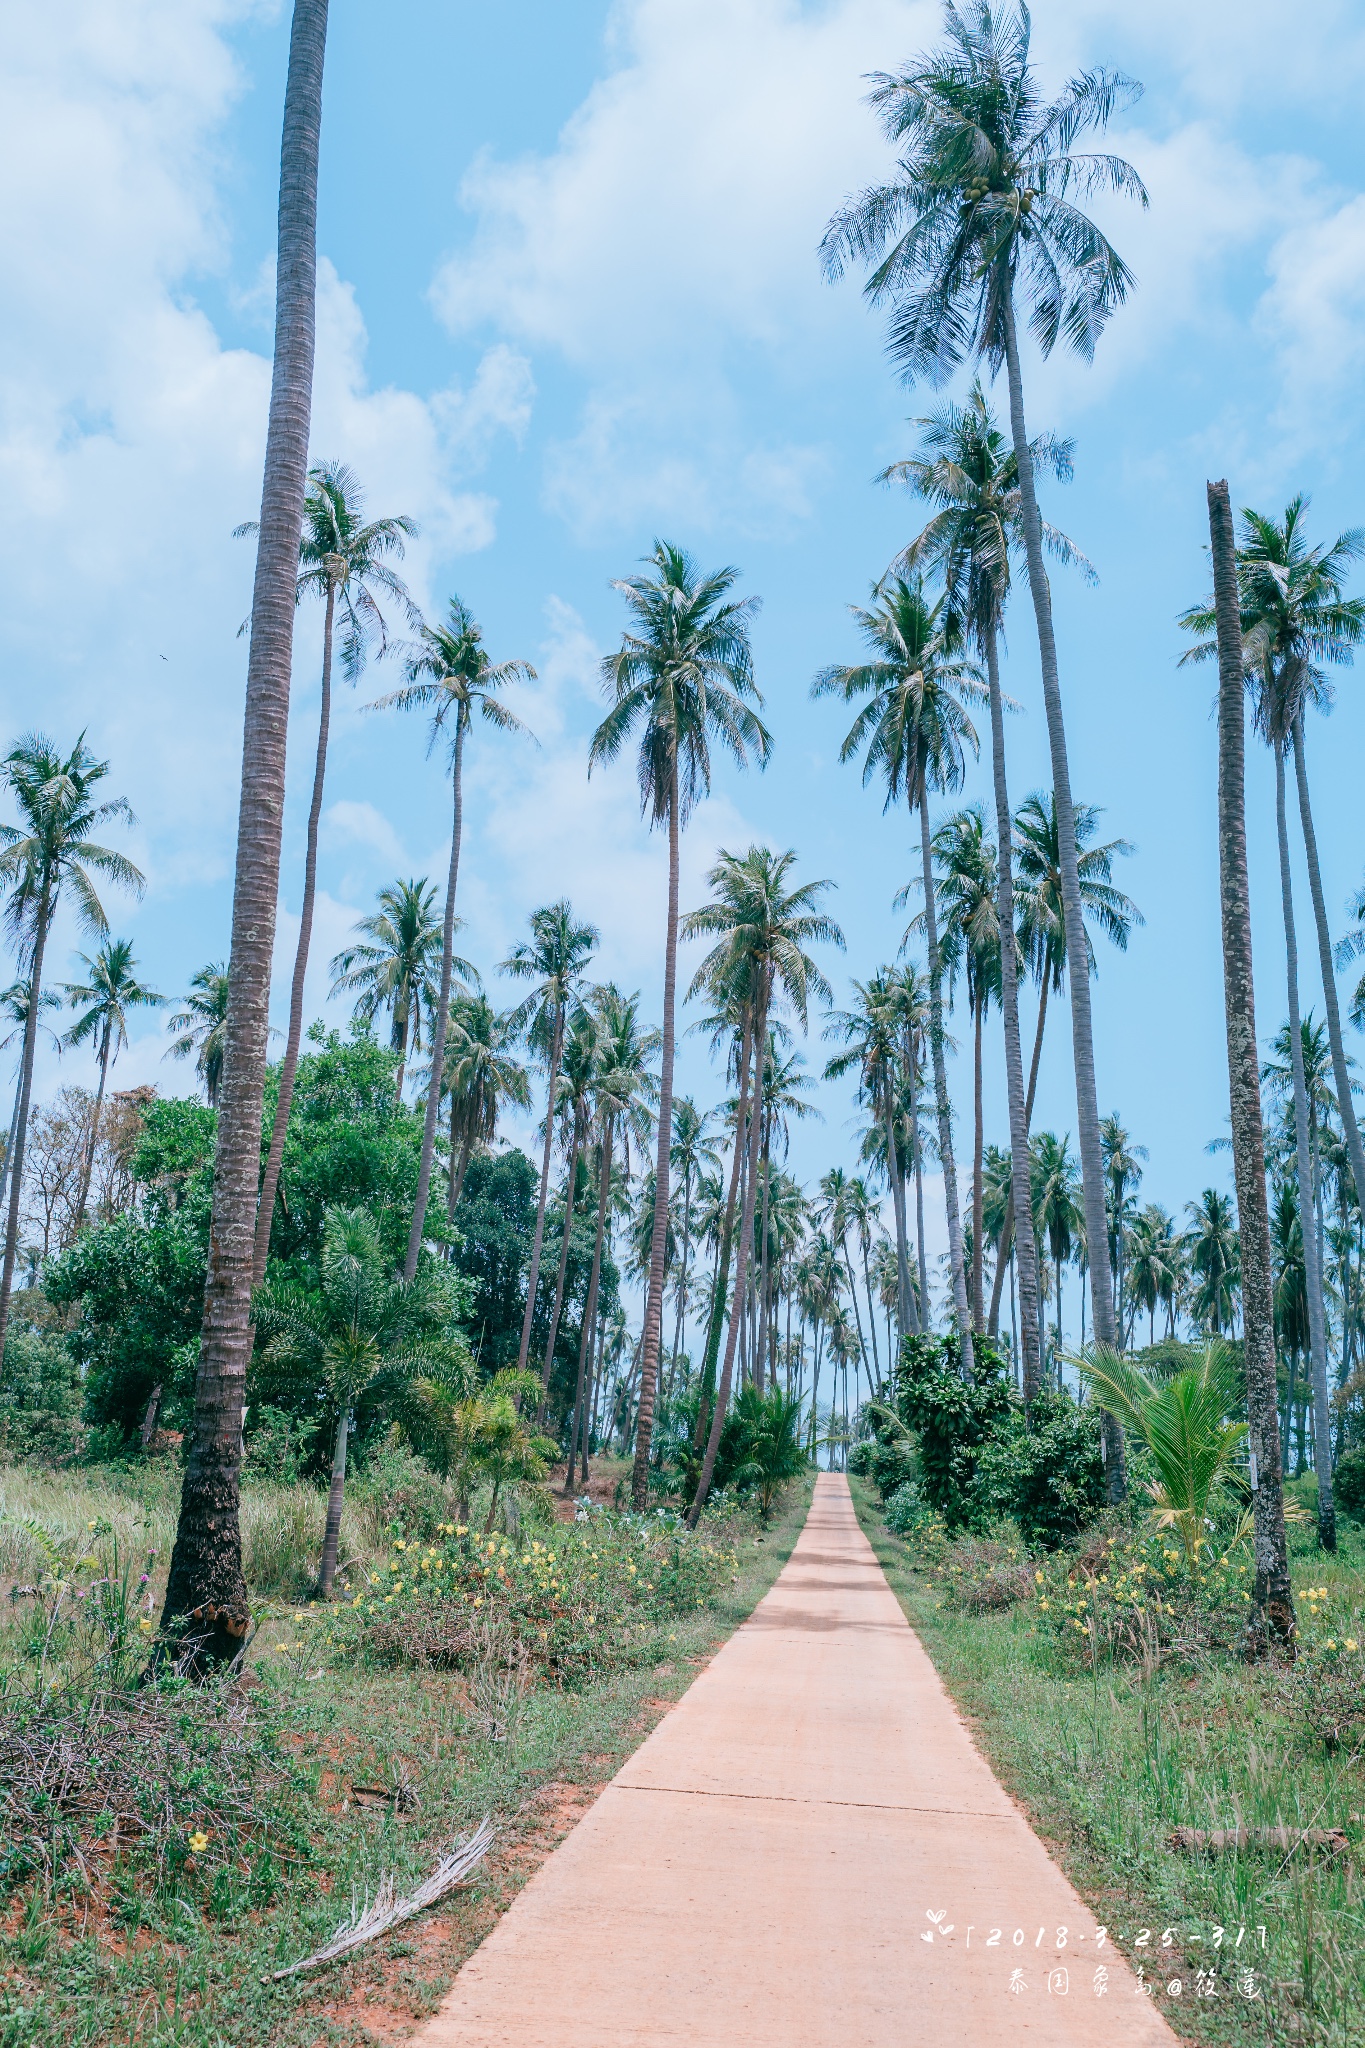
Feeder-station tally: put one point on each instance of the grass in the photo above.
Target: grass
(106, 1953)
(1109, 1761)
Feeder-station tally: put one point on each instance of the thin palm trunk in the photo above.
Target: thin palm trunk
(1020, 1200)
(680, 1320)
(978, 1286)
(538, 1240)
(761, 1347)
(1272, 1608)
(1073, 915)
(746, 1237)
(921, 1256)
(1340, 1072)
(654, 1299)
(1312, 1262)
(265, 1212)
(853, 1295)
(945, 1127)
(905, 1299)
(206, 1591)
(441, 1025)
(41, 922)
(13, 1131)
(88, 1169)
(590, 1307)
(720, 1285)
(561, 1274)
(331, 1537)
(871, 1311)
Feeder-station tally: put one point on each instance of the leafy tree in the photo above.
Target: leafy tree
(344, 560)
(449, 674)
(1045, 1468)
(202, 1025)
(391, 968)
(954, 1415)
(683, 675)
(104, 1000)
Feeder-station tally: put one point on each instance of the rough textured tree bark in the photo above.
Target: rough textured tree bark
(945, 1126)
(1021, 1183)
(538, 1241)
(442, 1023)
(1340, 1072)
(1272, 1608)
(265, 1212)
(654, 1298)
(42, 919)
(1312, 1263)
(1073, 916)
(206, 1593)
(746, 1238)
(590, 1308)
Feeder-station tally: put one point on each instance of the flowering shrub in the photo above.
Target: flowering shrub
(1325, 1688)
(1132, 1596)
(982, 1575)
(592, 1593)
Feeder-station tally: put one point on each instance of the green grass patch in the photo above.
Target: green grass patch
(1110, 1757)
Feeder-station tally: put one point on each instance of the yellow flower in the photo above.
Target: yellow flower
(199, 1841)
(1351, 1643)
(1044, 1603)
(1038, 1578)
(479, 1601)
(400, 1546)
(1331, 1642)
(145, 1626)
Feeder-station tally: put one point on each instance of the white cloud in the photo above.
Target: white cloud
(1313, 311)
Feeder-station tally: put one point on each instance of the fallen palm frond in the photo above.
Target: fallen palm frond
(386, 1911)
(1221, 1841)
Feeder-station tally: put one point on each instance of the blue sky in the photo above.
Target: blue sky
(570, 300)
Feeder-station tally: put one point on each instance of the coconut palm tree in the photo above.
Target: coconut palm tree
(1211, 1245)
(914, 731)
(874, 1046)
(14, 1008)
(205, 1590)
(574, 1107)
(1057, 1214)
(1272, 1606)
(683, 675)
(784, 1090)
(554, 959)
(1122, 1173)
(967, 470)
(481, 1075)
(1156, 1265)
(345, 561)
(1184, 1423)
(357, 1330)
(762, 928)
(202, 1025)
(982, 210)
(47, 858)
(104, 999)
(449, 674)
(692, 1156)
(393, 967)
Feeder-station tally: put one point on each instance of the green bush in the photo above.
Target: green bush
(1043, 1469)
(1348, 1485)
(953, 1418)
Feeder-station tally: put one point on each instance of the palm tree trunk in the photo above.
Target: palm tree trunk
(41, 921)
(1020, 1200)
(853, 1295)
(331, 1539)
(1073, 915)
(978, 1278)
(265, 1212)
(1272, 1612)
(682, 1277)
(720, 1286)
(761, 1347)
(438, 1034)
(945, 1126)
(538, 1241)
(871, 1311)
(10, 1140)
(1340, 1071)
(557, 1310)
(88, 1170)
(654, 1299)
(921, 1256)
(590, 1307)
(746, 1237)
(909, 1320)
(1312, 1264)
(206, 1590)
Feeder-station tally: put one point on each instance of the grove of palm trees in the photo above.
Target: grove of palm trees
(715, 1110)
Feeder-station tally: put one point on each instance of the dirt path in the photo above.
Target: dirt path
(807, 1850)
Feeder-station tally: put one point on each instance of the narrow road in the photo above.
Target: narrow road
(807, 1850)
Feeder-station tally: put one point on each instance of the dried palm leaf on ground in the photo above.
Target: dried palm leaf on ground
(386, 1911)
(1221, 1841)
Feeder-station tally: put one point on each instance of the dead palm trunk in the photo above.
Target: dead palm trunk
(1020, 1199)
(206, 1593)
(1329, 986)
(652, 1333)
(590, 1306)
(1272, 1612)
(538, 1241)
(1312, 1263)
(331, 1538)
(746, 1238)
(945, 1126)
(441, 1025)
(41, 922)
(1073, 915)
(265, 1213)
(88, 1169)
(720, 1286)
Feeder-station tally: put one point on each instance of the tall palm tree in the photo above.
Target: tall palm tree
(914, 731)
(684, 675)
(14, 1009)
(1122, 1173)
(785, 1087)
(983, 210)
(202, 1027)
(1211, 1243)
(967, 470)
(555, 959)
(47, 857)
(344, 561)
(393, 966)
(1158, 1260)
(575, 1104)
(104, 999)
(449, 674)
(762, 929)
(874, 1045)
(481, 1074)
(1056, 1213)
(205, 1589)
(692, 1155)
(1272, 1611)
